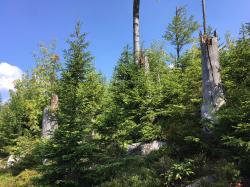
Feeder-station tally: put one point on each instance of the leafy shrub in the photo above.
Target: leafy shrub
(227, 171)
(26, 178)
(144, 177)
(28, 150)
(179, 172)
(6, 179)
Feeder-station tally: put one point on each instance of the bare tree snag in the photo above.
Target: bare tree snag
(213, 97)
(136, 32)
(139, 55)
(146, 65)
(54, 102)
(204, 17)
(143, 62)
(49, 123)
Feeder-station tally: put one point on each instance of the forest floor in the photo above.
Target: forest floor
(7, 179)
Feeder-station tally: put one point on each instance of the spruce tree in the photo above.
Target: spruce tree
(180, 31)
(71, 150)
(234, 124)
(245, 31)
(130, 114)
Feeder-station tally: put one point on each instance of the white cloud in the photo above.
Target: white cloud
(8, 74)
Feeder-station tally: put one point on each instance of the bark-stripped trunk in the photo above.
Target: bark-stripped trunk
(136, 32)
(178, 52)
(213, 97)
(143, 61)
(139, 56)
(49, 123)
(177, 38)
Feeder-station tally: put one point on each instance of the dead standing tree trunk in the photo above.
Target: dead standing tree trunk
(139, 56)
(213, 97)
(136, 32)
(49, 123)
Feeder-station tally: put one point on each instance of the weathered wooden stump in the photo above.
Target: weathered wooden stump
(54, 102)
(213, 97)
(49, 123)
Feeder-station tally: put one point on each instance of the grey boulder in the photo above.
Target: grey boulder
(145, 148)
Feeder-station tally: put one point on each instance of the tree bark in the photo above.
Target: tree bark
(136, 32)
(204, 17)
(213, 96)
(49, 123)
(178, 52)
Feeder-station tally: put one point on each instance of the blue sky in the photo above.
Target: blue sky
(23, 24)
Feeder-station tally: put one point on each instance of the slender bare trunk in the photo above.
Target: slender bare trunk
(136, 33)
(177, 39)
(178, 52)
(204, 16)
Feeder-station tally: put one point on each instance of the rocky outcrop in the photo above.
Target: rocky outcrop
(145, 148)
(12, 160)
(200, 182)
